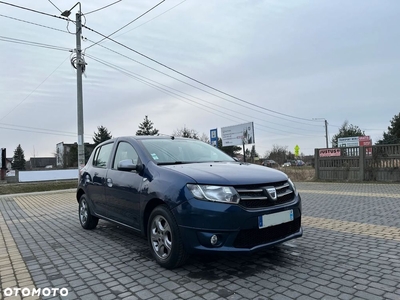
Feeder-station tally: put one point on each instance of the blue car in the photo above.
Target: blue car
(187, 197)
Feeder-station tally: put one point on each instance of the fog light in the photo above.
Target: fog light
(214, 240)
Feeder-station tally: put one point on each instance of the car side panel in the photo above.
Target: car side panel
(95, 189)
(122, 198)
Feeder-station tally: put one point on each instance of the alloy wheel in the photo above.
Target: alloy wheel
(161, 237)
(83, 212)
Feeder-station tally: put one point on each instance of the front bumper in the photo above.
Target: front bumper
(235, 227)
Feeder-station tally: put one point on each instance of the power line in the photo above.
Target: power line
(36, 128)
(32, 23)
(108, 37)
(191, 78)
(55, 6)
(198, 88)
(200, 99)
(43, 132)
(152, 18)
(164, 90)
(30, 43)
(34, 89)
(201, 105)
(103, 7)
(128, 73)
(35, 44)
(26, 130)
(33, 10)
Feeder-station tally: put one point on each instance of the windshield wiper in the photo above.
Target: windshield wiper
(173, 163)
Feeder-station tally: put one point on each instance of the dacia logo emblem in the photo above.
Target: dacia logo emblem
(270, 192)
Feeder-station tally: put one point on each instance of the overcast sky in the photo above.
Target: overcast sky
(334, 60)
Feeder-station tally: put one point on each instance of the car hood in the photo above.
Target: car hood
(228, 173)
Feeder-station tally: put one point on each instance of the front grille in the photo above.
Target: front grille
(254, 196)
(250, 238)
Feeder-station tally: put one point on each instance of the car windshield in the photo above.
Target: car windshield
(175, 151)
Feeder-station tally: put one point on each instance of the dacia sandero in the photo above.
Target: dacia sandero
(187, 197)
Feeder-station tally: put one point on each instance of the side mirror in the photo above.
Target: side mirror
(126, 165)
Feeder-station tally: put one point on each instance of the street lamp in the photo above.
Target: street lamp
(66, 13)
(326, 129)
(80, 64)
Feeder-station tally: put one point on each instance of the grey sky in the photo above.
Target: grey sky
(337, 60)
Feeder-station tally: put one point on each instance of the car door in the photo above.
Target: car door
(123, 188)
(98, 172)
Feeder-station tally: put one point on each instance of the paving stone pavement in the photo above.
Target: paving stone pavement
(350, 250)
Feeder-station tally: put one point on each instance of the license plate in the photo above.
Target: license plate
(275, 219)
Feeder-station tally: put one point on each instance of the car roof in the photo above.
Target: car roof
(147, 137)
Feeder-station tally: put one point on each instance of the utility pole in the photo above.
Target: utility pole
(326, 133)
(244, 152)
(326, 129)
(79, 66)
(3, 164)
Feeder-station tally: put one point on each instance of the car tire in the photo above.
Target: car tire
(164, 238)
(87, 220)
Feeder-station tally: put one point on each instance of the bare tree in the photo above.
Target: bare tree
(204, 138)
(280, 154)
(187, 133)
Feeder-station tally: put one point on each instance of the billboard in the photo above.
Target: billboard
(238, 134)
(330, 152)
(366, 141)
(356, 141)
(348, 142)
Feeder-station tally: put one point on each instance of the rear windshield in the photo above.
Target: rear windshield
(170, 151)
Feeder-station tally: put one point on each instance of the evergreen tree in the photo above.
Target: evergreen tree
(346, 130)
(18, 159)
(146, 128)
(392, 136)
(102, 135)
(230, 150)
(73, 156)
(254, 152)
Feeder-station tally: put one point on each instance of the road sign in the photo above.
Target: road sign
(296, 150)
(214, 137)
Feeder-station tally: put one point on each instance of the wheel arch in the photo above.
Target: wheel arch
(150, 206)
(79, 194)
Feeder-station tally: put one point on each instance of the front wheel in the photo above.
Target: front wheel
(164, 238)
(85, 217)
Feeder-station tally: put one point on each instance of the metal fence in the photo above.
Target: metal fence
(371, 163)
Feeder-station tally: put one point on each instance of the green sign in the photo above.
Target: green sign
(296, 150)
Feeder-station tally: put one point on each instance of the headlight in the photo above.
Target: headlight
(292, 186)
(225, 194)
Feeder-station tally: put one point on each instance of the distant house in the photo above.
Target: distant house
(8, 163)
(40, 163)
(67, 154)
